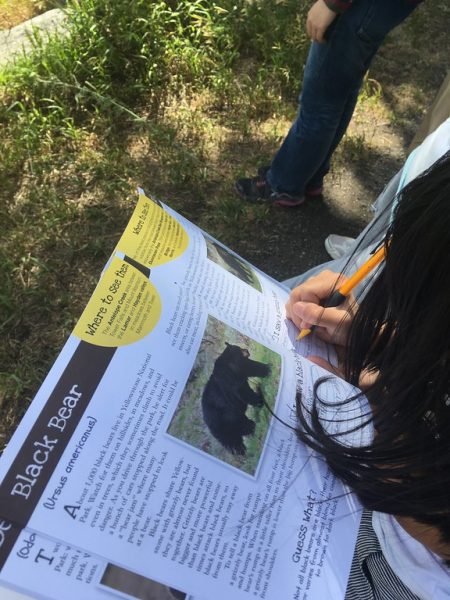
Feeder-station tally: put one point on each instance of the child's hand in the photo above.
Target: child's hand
(304, 308)
(318, 20)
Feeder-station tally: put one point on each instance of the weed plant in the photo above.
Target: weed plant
(132, 92)
(175, 95)
(129, 58)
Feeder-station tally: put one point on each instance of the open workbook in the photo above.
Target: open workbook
(159, 458)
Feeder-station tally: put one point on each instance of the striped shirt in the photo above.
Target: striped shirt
(371, 577)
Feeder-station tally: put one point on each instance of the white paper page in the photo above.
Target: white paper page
(52, 570)
(159, 238)
(125, 488)
(118, 456)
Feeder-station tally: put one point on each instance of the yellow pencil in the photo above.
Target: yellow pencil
(339, 296)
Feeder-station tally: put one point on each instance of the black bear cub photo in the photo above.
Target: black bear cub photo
(228, 394)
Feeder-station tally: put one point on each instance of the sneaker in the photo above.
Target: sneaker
(257, 189)
(313, 192)
(310, 191)
(338, 245)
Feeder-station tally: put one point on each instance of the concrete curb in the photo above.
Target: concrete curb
(17, 41)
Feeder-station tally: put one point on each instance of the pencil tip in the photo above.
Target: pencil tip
(303, 333)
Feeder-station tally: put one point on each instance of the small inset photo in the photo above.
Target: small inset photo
(225, 408)
(132, 586)
(232, 263)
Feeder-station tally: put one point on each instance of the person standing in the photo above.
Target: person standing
(346, 35)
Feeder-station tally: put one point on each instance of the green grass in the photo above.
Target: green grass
(179, 96)
(137, 93)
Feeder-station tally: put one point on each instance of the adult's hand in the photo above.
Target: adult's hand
(304, 308)
(318, 20)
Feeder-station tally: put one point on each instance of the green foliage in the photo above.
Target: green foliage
(124, 57)
(69, 115)
(179, 96)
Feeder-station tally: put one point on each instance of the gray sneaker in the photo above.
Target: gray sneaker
(338, 245)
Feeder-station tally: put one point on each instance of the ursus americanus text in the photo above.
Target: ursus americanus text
(227, 395)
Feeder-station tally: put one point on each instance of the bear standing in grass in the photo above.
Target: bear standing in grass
(227, 395)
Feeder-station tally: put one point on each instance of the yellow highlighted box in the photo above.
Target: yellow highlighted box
(152, 236)
(123, 309)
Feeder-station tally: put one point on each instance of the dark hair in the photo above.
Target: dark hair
(402, 330)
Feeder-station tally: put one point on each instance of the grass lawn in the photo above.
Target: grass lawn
(180, 99)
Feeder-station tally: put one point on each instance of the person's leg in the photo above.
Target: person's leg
(317, 179)
(332, 80)
(306, 145)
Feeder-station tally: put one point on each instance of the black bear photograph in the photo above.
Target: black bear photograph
(225, 408)
(228, 394)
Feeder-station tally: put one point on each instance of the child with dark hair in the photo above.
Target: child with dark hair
(395, 345)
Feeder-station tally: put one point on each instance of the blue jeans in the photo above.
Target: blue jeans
(333, 76)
